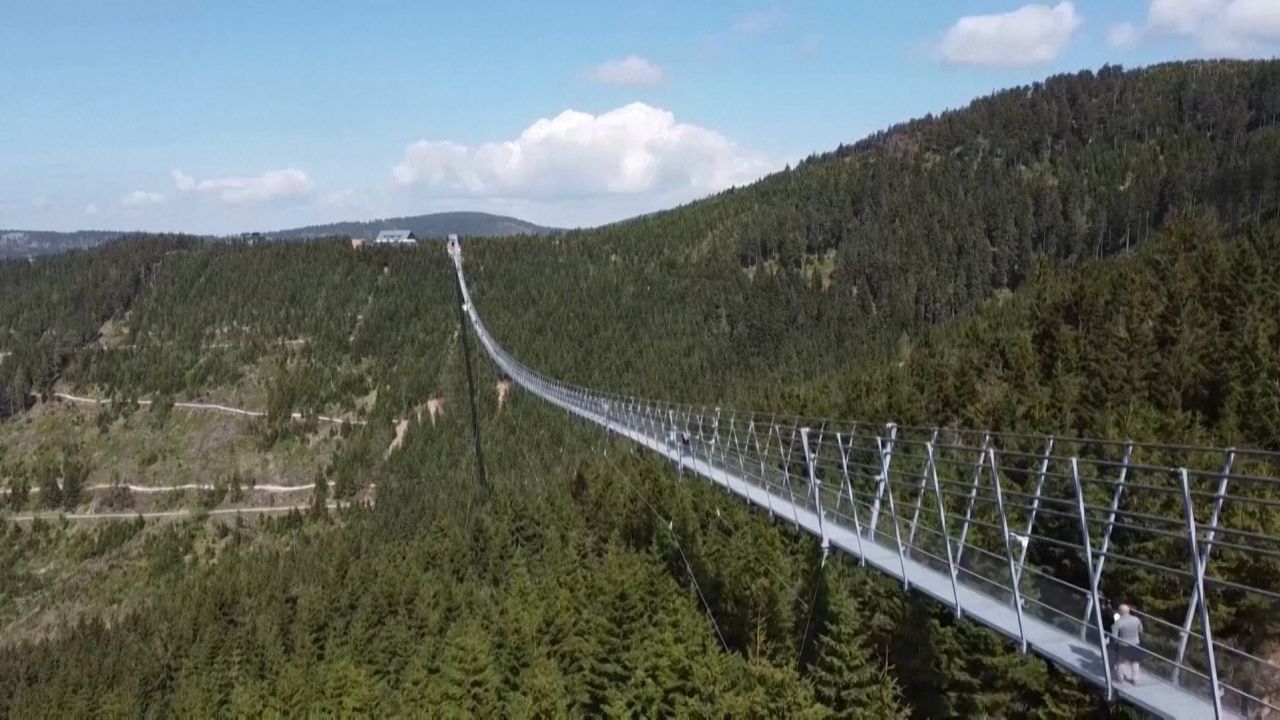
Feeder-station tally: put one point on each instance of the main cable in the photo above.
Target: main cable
(481, 478)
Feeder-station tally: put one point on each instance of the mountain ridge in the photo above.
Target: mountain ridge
(16, 243)
(467, 222)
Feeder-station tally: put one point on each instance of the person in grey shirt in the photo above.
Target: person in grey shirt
(1128, 632)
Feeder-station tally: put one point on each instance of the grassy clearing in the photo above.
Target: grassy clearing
(185, 447)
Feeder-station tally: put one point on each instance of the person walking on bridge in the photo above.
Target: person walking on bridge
(1128, 633)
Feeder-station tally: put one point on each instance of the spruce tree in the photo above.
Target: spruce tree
(846, 677)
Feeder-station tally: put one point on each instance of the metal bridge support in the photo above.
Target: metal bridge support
(762, 456)
(676, 440)
(1111, 519)
(973, 494)
(942, 527)
(1208, 547)
(786, 449)
(810, 460)
(1035, 503)
(920, 491)
(1087, 543)
(608, 425)
(1198, 566)
(715, 440)
(482, 478)
(737, 452)
(742, 465)
(697, 441)
(886, 457)
(848, 487)
(1008, 548)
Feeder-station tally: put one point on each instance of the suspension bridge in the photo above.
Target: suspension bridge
(1016, 532)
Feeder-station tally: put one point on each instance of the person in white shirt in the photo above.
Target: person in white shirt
(1128, 633)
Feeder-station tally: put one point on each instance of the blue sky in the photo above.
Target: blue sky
(231, 116)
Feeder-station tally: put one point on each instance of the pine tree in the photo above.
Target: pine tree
(845, 675)
(468, 679)
(320, 498)
(539, 692)
(775, 691)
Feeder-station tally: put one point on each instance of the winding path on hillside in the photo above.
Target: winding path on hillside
(156, 489)
(208, 407)
(52, 516)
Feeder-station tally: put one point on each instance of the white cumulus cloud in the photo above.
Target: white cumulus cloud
(1123, 35)
(1221, 27)
(183, 181)
(1181, 16)
(1031, 35)
(91, 209)
(269, 187)
(631, 70)
(141, 198)
(633, 150)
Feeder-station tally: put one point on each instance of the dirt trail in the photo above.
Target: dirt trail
(150, 489)
(159, 514)
(402, 427)
(209, 407)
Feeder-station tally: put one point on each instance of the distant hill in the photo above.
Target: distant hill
(433, 225)
(30, 243)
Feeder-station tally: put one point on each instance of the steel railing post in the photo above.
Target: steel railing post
(1008, 548)
(810, 461)
(882, 478)
(1198, 567)
(924, 478)
(942, 526)
(762, 457)
(1223, 479)
(721, 446)
(1111, 519)
(742, 465)
(816, 445)
(672, 436)
(886, 456)
(699, 442)
(973, 494)
(786, 472)
(677, 440)
(1035, 502)
(1093, 583)
(737, 451)
(845, 451)
(853, 505)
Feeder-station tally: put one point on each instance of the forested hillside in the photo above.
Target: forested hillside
(835, 259)
(32, 243)
(1090, 256)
